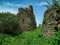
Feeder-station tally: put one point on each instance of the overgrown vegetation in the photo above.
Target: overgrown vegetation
(8, 23)
(54, 3)
(29, 38)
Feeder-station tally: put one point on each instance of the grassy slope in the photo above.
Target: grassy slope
(26, 38)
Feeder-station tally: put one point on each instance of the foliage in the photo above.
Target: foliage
(48, 5)
(54, 3)
(8, 23)
(29, 38)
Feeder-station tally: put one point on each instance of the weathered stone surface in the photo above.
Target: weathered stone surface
(26, 19)
(51, 22)
(58, 26)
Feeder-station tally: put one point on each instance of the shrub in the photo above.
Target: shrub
(8, 23)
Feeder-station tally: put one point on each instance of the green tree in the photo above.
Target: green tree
(8, 23)
(54, 3)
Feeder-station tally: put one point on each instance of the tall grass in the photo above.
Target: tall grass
(34, 37)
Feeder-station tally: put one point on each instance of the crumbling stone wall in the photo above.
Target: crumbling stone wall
(51, 22)
(26, 19)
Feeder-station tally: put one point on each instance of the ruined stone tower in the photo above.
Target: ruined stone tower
(51, 22)
(26, 19)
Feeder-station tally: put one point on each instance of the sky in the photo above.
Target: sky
(13, 5)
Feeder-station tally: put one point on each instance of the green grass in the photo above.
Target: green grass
(28, 38)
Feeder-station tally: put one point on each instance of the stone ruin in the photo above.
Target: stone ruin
(51, 22)
(26, 19)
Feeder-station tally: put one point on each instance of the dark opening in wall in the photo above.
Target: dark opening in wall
(58, 11)
(57, 19)
(56, 28)
(23, 20)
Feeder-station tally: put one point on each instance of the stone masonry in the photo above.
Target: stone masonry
(51, 22)
(26, 19)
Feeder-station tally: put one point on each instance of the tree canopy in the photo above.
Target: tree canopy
(52, 4)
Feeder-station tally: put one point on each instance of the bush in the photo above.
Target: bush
(8, 23)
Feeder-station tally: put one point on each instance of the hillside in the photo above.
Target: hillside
(29, 38)
(26, 38)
